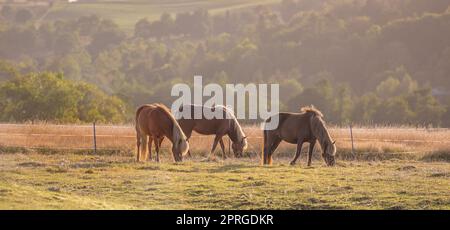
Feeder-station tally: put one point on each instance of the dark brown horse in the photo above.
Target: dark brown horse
(297, 128)
(226, 125)
(157, 122)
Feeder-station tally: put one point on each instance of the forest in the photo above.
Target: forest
(368, 62)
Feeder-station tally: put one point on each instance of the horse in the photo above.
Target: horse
(297, 128)
(156, 121)
(225, 125)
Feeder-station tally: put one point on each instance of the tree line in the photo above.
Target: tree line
(368, 62)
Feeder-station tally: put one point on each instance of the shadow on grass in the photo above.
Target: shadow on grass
(231, 168)
(12, 150)
(31, 164)
(437, 156)
(373, 156)
(90, 165)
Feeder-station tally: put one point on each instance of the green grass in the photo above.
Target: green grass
(85, 181)
(126, 14)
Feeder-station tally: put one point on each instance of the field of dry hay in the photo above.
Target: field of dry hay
(47, 166)
(375, 142)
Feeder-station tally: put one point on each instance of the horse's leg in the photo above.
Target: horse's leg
(274, 146)
(143, 153)
(150, 141)
(157, 145)
(271, 142)
(138, 145)
(311, 148)
(299, 151)
(224, 156)
(216, 140)
(266, 148)
(188, 134)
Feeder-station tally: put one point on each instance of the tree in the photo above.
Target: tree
(50, 97)
(7, 71)
(7, 12)
(320, 95)
(104, 40)
(66, 43)
(426, 108)
(394, 111)
(365, 109)
(23, 15)
(142, 28)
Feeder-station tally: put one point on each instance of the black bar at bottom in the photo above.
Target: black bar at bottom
(208, 219)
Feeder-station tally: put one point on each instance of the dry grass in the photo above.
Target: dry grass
(377, 140)
(392, 168)
(73, 181)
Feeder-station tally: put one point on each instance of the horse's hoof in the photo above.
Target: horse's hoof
(292, 163)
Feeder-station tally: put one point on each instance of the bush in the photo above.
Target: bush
(50, 97)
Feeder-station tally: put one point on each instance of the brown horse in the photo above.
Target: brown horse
(297, 128)
(156, 122)
(225, 125)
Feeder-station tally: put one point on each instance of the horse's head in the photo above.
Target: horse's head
(329, 151)
(239, 147)
(180, 148)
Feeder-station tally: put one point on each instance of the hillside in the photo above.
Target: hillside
(127, 13)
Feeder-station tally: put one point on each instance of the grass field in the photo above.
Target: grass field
(127, 13)
(391, 168)
(73, 181)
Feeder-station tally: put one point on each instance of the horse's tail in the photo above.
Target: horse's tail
(262, 147)
(141, 140)
(137, 113)
(265, 145)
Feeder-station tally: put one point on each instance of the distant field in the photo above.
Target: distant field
(127, 13)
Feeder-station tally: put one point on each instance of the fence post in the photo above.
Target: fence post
(95, 139)
(351, 137)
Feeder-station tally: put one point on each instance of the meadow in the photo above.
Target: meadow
(127, 13)
(390, 168)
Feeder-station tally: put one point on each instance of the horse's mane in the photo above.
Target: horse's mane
(311, 109)
(164, 109)
(235, 124)
(320, 130)
(177, 131)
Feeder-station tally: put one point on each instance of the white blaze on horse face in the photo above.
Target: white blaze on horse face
(274, 105)
(185, 99)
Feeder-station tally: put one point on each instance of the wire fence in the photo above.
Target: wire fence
(88, 137)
